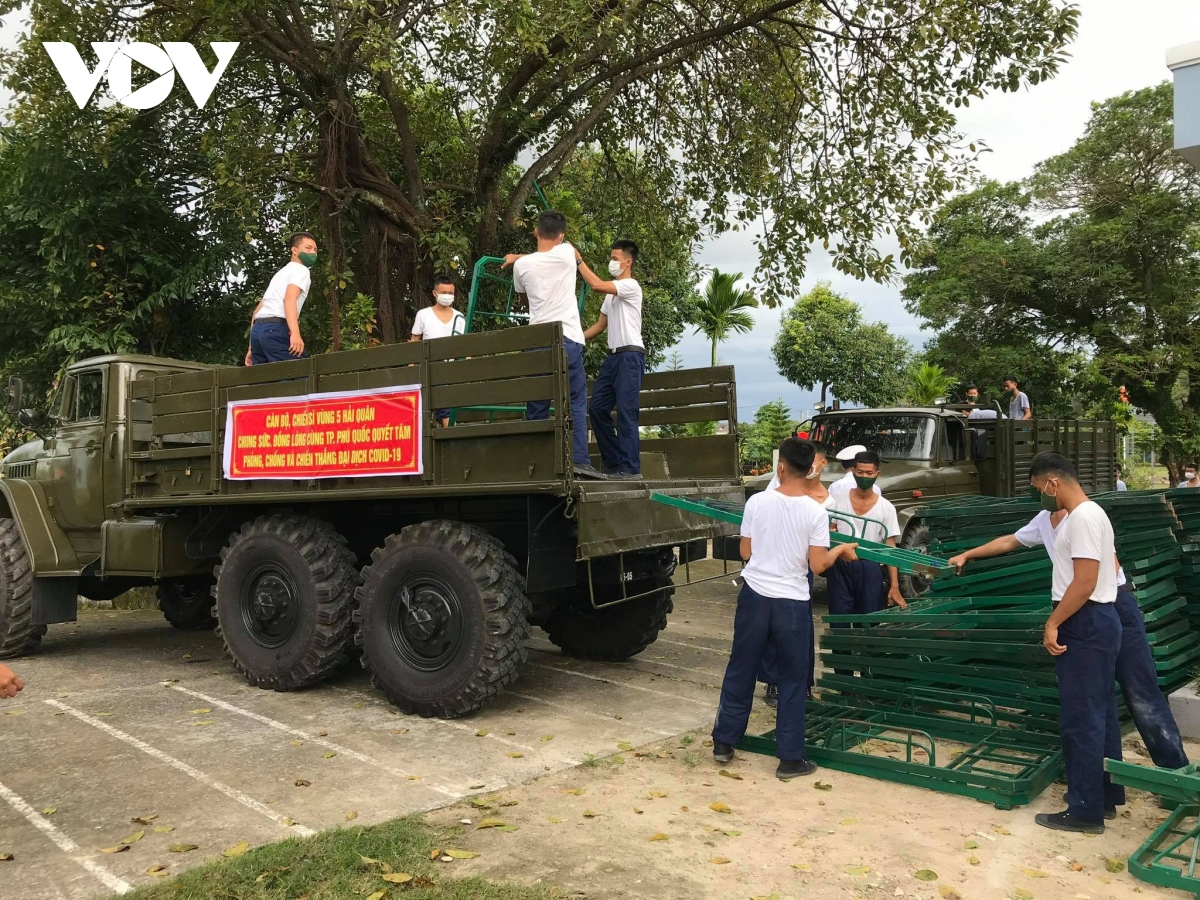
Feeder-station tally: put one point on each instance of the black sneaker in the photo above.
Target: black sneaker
(773, 696)
(793, 768)
(722, 752)
(582, 471)
(1110, 812)
(1065, 821)
(624, 476)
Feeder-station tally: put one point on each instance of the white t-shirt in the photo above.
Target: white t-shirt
(548, 280)
(1183, 484)
(429, 326)
(624, 312)
(781, 529)
(846, 484)
(1085, 534)
(272, 300)
(982, 414)
(883, 512)
(1122, 486)
(1040, 532)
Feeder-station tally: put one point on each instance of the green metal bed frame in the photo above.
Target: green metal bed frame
(1168, 857)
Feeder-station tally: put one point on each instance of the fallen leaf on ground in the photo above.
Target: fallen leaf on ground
(398, 877)
(288, 821)
(156, 871)
(588, 814)
(1114, 865)
(857, 870)
(624, 745)
(1022, 894)
(202, 711)
(576, 791)
(329, 754)
(659, 794)
(659, 837)
(1034, 873)
(507, 828)
(971, 845)
(767, 897)
(729, 774)
(358, 705)
(973, 860)
(489, 823)
(482, 732)
(461, 854)
(399, 731)
(803, 867)
(822, 786)
(16, 712)
(507, 803)
(553, 821)
(720, 807)
(120, 848)
(849, 821)
(925, 875)
(296, 743)
(435, 853)
(1076, 867)
(480, 804)
(236, 850)
(104, 715)
(547, 737)
(1000, 829)
(163, 829)
(731, 833)
(6, 857)
(49, 810)
(133, 838)
(184, 848)
(949, 893)
(352, 815)
(144, 820)
(512, 754)
(378, 895)
(203, 722)
(719, 860)
(303, 782)
(510, 733)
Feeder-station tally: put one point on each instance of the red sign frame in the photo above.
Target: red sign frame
(340, 434)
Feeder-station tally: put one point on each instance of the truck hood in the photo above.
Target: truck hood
(28, 453)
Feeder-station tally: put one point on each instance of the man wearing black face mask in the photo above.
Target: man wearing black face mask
(858, 587)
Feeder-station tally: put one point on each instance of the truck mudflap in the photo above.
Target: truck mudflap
(620, 517)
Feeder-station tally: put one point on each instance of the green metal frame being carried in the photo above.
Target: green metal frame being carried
(1168, 857)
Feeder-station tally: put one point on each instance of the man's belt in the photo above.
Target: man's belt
(628, 348)
(270, 320)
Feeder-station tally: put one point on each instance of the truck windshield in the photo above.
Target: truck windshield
(892, 437)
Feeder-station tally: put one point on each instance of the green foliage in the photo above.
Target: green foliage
(772, 423)
(823, 341)
(926, 384)
(722, 310)
(1103, 293)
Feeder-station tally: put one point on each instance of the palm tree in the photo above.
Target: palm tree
(722, 310)
(927, 383)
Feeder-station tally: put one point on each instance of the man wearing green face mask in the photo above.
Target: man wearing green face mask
(275, 325)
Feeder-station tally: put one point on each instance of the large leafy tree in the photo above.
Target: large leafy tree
(1107, 286)
(772, 423)
(723, 310)
(823, 342)
(419, 127)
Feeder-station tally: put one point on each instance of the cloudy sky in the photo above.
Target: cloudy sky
(1121, 46)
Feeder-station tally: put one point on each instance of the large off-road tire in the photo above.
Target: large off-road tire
(187, 602)
(916, 537)
(443, 618)
(18, 634)
(284, 600)
(616, 632)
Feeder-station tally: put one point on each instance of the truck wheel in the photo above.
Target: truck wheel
(616, 632)
(285, 595)
(443, 618)
(916, 537)
(187, 603)
(18, 634)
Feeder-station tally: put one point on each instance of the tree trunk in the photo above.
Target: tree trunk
(714, 352)
(824, 388)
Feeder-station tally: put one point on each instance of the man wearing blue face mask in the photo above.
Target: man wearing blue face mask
(619, 381)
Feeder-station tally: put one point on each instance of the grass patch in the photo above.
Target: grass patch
(687, 740)
(329, 866)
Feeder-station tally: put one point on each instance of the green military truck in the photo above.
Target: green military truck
(432, 570)
(934, 452)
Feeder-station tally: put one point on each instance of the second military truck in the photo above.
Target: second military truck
(313, 510)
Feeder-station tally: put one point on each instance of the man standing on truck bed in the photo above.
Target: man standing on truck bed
(619, 382)
(1135, 664)
(1018, 403)
(439, 320)
(545, 280)
(275, 325)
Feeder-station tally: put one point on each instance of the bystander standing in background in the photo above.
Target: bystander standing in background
(1018, 402)
(1190, 478)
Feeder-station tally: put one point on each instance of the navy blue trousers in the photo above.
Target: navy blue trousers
(269, 342)
(855, 587)
(1087, 718)
(766, 669)
(786, 626)
(618, 386)
(1139, 683)
(540, 409)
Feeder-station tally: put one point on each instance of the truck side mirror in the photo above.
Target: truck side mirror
(12, 397)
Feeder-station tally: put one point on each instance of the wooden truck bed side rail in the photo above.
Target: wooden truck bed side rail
(181, 418)
(1090, 445)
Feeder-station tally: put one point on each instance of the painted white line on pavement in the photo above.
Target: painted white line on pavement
(231, 793)
(554, 651)
(634, 687)
(65, 844)
(319, 741)
(587, 712)
(692, 646)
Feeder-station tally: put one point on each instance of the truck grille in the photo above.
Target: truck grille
(20, 470)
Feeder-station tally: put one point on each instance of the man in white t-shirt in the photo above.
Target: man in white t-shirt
(1083, 634)
(1135, 673)
(275, 325)
(619, 381)
(846, 458)
(785, 533)
(545, 280)
(439, 320)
